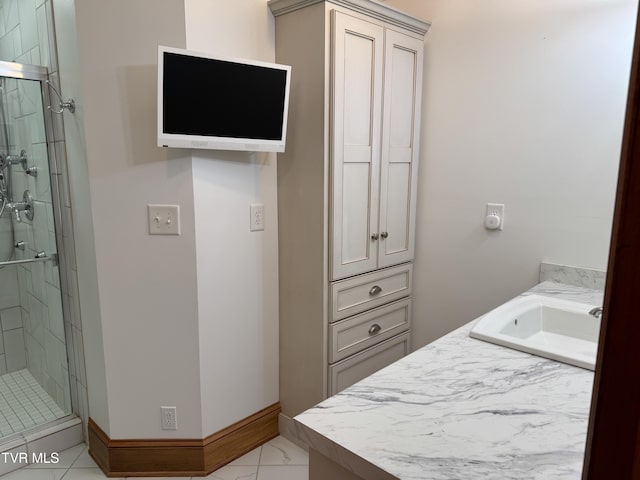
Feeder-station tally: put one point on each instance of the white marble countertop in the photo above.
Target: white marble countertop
(461, 408)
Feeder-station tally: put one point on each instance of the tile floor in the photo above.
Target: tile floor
(24, 403)
(278, 459)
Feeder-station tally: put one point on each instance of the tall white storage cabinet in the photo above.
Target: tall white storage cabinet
(347, 187)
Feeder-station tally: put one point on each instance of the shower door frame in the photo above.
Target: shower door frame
(41, 74)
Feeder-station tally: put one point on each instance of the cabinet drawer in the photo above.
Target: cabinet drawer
(362, 331)
(357, 294)
(347, 372)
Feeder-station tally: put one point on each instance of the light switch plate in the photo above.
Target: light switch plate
(164, 219)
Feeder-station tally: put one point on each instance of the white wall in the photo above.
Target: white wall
(147, 285)
(237, 269)
(523, 105)
(190, 321)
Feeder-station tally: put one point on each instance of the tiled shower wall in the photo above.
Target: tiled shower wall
(27, 36)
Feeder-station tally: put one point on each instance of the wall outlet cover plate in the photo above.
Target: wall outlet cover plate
(494, 210)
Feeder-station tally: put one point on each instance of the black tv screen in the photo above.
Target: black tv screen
(208, 102)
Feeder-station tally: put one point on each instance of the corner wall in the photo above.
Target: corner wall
(146, 327)
(237, 269)
(190, 321)
(524, 105)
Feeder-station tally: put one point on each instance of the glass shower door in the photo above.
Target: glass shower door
(34, 377)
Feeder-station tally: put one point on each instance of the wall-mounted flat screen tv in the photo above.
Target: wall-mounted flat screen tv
(212, 102)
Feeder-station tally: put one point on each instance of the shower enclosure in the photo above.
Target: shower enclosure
(34, 369)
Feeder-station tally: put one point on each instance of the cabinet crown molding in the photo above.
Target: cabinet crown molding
(371, 8)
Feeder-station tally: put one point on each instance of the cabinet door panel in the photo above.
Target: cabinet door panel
(400, 138)
(402, 93)
(398, 240)
(356, 126)
(359, 67)
(356, 195)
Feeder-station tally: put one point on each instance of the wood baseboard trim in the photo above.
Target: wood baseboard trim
(181, 457)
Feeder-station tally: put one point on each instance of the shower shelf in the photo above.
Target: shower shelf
(42, 257)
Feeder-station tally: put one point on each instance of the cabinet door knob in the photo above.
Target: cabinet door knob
(375, 328)
(384, 235)
(375, 290)
(374, 236)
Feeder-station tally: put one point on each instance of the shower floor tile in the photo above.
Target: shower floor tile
(24, 403)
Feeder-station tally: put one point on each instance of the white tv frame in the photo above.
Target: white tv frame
(212, 142)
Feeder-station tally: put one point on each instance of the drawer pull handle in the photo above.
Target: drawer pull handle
(374, 237)
(384, 235)
(375, 290)
(375, 328)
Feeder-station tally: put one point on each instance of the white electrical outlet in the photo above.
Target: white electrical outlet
(257, 217)
(169, 418)
(164, 219)
(494, 219)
